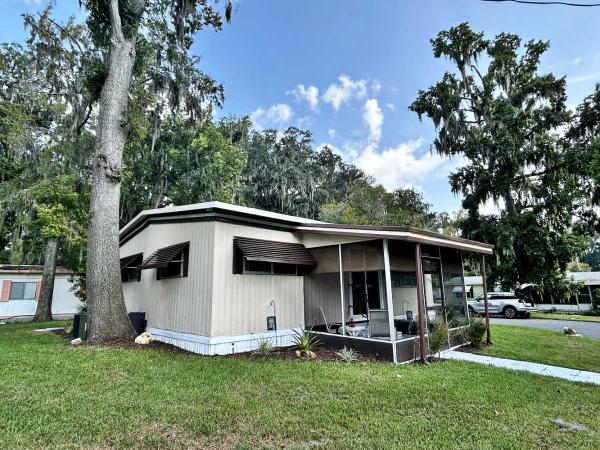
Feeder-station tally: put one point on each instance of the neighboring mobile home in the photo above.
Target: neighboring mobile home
(215, 278)
(20, 292)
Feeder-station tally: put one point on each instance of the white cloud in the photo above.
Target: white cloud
(373, 117)
(401, 165)
(582, 78)
(375, 86)
(390, 106)
(273, 116)
(309, 94)
(577, 61)
(347, 89)
(331, 133)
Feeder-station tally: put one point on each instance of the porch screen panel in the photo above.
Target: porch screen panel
(453, 281)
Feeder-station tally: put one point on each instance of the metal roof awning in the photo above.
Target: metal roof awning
(457, 289)
(127, 261)
(163, 256)
(276, 252)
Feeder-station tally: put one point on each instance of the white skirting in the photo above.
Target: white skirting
(222, 345)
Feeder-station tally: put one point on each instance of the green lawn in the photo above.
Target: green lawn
(52, 395)
(544, 346)
(557, 316)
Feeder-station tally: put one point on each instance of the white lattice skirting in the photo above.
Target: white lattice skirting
(222, 345)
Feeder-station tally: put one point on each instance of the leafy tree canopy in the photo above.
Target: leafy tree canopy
(509, 121)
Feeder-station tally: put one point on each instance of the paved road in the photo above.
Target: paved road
(590, 329)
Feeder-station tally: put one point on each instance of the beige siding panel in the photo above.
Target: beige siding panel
(176, 304)
(323, 291)
(241, 303)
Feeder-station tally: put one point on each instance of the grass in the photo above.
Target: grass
(53, 395)
(544, 346)
(558, 316)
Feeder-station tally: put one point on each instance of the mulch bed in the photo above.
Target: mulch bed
(125, 343)
(287, 353)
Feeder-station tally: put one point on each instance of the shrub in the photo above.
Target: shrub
(68, 326)
(347, 354)
(305, 343)
(476, 332)
(264, 348)
(439, 337)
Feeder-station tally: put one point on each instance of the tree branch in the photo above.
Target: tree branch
(67, 33)
(115, 21)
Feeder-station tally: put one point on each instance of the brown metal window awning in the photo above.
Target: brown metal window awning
(275, 252)
(129, 261)
(163, 256)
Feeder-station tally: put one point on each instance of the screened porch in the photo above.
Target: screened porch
(374, 297)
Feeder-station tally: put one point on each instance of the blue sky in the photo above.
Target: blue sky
(347, 70)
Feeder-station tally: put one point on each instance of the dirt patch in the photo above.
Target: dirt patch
(130, 344)
(468, 349)
(62, 333)
(126, 343)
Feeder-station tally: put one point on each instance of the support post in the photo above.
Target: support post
(420, 303)
(464, 288)
(343, 313)
(485, 300)
(389, 297)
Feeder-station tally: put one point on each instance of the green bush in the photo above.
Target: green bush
(438, 338)
(264, 348)
(305, 342)
(347, 354)
(68, 326)
(477, 331)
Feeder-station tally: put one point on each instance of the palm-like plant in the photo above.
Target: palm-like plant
(305, 342)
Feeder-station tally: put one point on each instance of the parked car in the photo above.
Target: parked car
(505, 303)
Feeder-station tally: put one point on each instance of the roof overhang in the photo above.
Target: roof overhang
(402, 234)
(218, 211)
(210, 211)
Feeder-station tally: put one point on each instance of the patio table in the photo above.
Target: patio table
(356, 330)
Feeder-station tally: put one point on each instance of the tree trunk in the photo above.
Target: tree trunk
(43, 311)
(106, 306)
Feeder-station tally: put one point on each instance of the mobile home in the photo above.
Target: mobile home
(20, 292)
(215, 278)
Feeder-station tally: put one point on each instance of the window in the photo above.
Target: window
(130, 268)
(169, 262)
(22, 291)
(270, 268)
(261, 257)
(177, 267)
(404, 279)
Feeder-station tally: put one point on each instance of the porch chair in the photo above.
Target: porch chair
(327, 324)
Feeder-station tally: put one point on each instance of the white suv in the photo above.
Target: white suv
(505, 303)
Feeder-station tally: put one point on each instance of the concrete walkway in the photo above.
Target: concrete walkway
(589, 329)
(525, 366)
